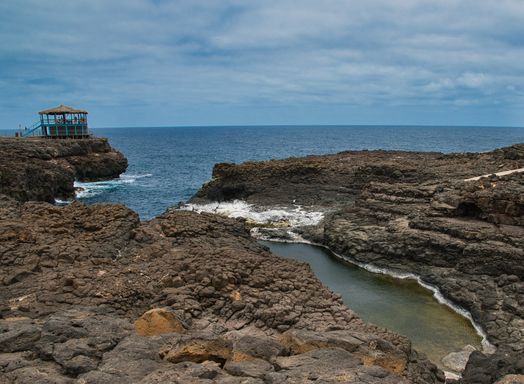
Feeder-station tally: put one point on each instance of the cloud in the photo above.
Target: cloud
(206, 61)
(473, 80)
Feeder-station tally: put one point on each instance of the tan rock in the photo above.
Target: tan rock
(511, 379)
(300, 341)
(236, 296)
(395, 364)
(158, 321)
(198, 351)
(456, 361)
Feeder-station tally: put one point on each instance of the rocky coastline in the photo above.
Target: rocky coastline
(416, 213)
(89, 294)
(43, 170)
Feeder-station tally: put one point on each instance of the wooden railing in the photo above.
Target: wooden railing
(31, 131)
(55, 130)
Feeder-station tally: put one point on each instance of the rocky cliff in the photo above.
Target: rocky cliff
(89, 294)
(335, 180)
(43, 169)
(414, 212)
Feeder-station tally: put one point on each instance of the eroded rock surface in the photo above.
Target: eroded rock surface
(89, 294)
(43, 169)
(332, 180)
(413, 212)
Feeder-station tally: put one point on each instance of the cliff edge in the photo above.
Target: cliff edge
(43, 169)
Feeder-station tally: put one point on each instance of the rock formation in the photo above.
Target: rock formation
(43, 169)
(89, 294)
(414, 212)
(206, 300)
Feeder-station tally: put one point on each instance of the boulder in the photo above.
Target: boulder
(198, 350)
(456, 361)
(158, 321)
(511, 379)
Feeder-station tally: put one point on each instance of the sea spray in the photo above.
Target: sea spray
(281, 216)
(86, 190)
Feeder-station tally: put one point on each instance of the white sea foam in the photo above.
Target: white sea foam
(90, 189)
(277, 234)
(131, 178)
(292, 217)
(62, 202)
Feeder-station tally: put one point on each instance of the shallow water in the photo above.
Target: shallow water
(402, 305)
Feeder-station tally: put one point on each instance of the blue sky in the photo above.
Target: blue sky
(165, 63)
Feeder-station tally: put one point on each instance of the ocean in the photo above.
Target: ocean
(168, 165)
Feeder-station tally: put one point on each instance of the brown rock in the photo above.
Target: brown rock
(158, 321)
(511, 379)
(42, 169)
(199, 350)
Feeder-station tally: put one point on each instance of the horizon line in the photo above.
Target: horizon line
(299, 125)
(313, 125)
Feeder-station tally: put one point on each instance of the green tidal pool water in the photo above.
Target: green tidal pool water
(401, 305)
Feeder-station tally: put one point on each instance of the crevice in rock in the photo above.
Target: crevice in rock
(469, 209)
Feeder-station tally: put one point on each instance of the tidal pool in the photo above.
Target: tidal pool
(401, 305)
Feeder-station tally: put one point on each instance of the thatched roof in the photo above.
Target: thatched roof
(61, 109)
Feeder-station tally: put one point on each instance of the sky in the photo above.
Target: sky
(233, 62)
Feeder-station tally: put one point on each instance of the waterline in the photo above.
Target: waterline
(487, 347)
(401, 305)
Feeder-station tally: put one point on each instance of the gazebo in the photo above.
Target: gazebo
(64, 122)
(61, 122)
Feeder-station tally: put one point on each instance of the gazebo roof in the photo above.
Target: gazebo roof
(61, 109)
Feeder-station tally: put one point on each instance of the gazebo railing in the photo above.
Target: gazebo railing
(32, 130)
(55, 130)
(64, 130)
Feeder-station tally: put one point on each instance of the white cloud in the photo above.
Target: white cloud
(243, 54)
(473, 80)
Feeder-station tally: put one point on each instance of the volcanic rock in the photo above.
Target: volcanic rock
(44, 169)
(90, 293)
(411, 212)
(158, 321)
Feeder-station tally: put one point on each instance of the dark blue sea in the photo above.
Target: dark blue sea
(168, 165)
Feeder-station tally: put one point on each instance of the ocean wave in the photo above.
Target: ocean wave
(131, 178)
(87, 190)
(280, 216)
